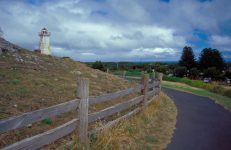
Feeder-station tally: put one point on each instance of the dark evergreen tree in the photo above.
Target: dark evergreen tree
(228, 74)
(98, 65)
(194, 73)
(213, 73)
(187, 58)
(211, 58)
(180, 71)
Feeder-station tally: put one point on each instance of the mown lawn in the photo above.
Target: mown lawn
(212, 87)
(220, 99)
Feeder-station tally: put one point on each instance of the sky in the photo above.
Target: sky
(120, 30)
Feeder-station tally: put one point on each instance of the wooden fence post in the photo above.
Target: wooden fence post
(124, 74)
(83, 95)
(159, 77)
(144, 82)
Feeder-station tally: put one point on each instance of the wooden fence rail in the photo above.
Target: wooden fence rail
(80, 104)
(34, 116)
(37, 115)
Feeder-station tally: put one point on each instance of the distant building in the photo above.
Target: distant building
(44, 42)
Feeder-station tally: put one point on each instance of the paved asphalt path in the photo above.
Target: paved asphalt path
(201, 123)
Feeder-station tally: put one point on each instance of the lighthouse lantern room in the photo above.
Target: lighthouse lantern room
(44, 43)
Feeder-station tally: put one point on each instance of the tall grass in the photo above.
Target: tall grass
(150, 129)
(213, 87)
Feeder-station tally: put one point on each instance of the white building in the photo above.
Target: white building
(44, 42)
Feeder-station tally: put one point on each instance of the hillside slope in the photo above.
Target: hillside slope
(31, 81)
(36, 81)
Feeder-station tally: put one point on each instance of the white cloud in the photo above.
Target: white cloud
(127, 30)
(220, 40)
(155, 52)
(88, 54)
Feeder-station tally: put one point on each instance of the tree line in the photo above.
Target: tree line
(209, 64)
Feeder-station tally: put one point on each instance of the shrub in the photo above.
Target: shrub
(194, 73)
(180, 71)
(98, 65)
(217, 89)
(212, 72)
(227, 92)
(228, 74)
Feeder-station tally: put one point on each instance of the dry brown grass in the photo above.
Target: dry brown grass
(41, 81)
(150, 129)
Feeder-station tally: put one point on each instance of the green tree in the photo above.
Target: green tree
(228, 74)
(194, 73)
(98, 65)
(211, 58)
(187, 58)
(180, 71)
(213, 73)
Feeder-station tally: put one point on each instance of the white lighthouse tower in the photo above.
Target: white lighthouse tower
(44, 43)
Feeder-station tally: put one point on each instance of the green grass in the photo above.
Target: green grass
(134, 73)
(220, 99)
(212, 87)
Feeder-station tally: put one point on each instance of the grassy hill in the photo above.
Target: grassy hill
(31, 81)
(38, 81)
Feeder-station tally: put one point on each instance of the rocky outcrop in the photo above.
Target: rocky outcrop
(8, 47)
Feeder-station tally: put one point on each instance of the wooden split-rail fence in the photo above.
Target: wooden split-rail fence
(83, 119)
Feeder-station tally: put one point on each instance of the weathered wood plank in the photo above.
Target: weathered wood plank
(136, 78)
(152, 99)
(111, 96)
(37, 115)
(159, 76)
(154, 85)
(151, 93)
(114, 109)
(45, 138)
(31, 117)
(144, 82)
(111, 123)
(124, 74)
(132, 78)
(83, 95)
